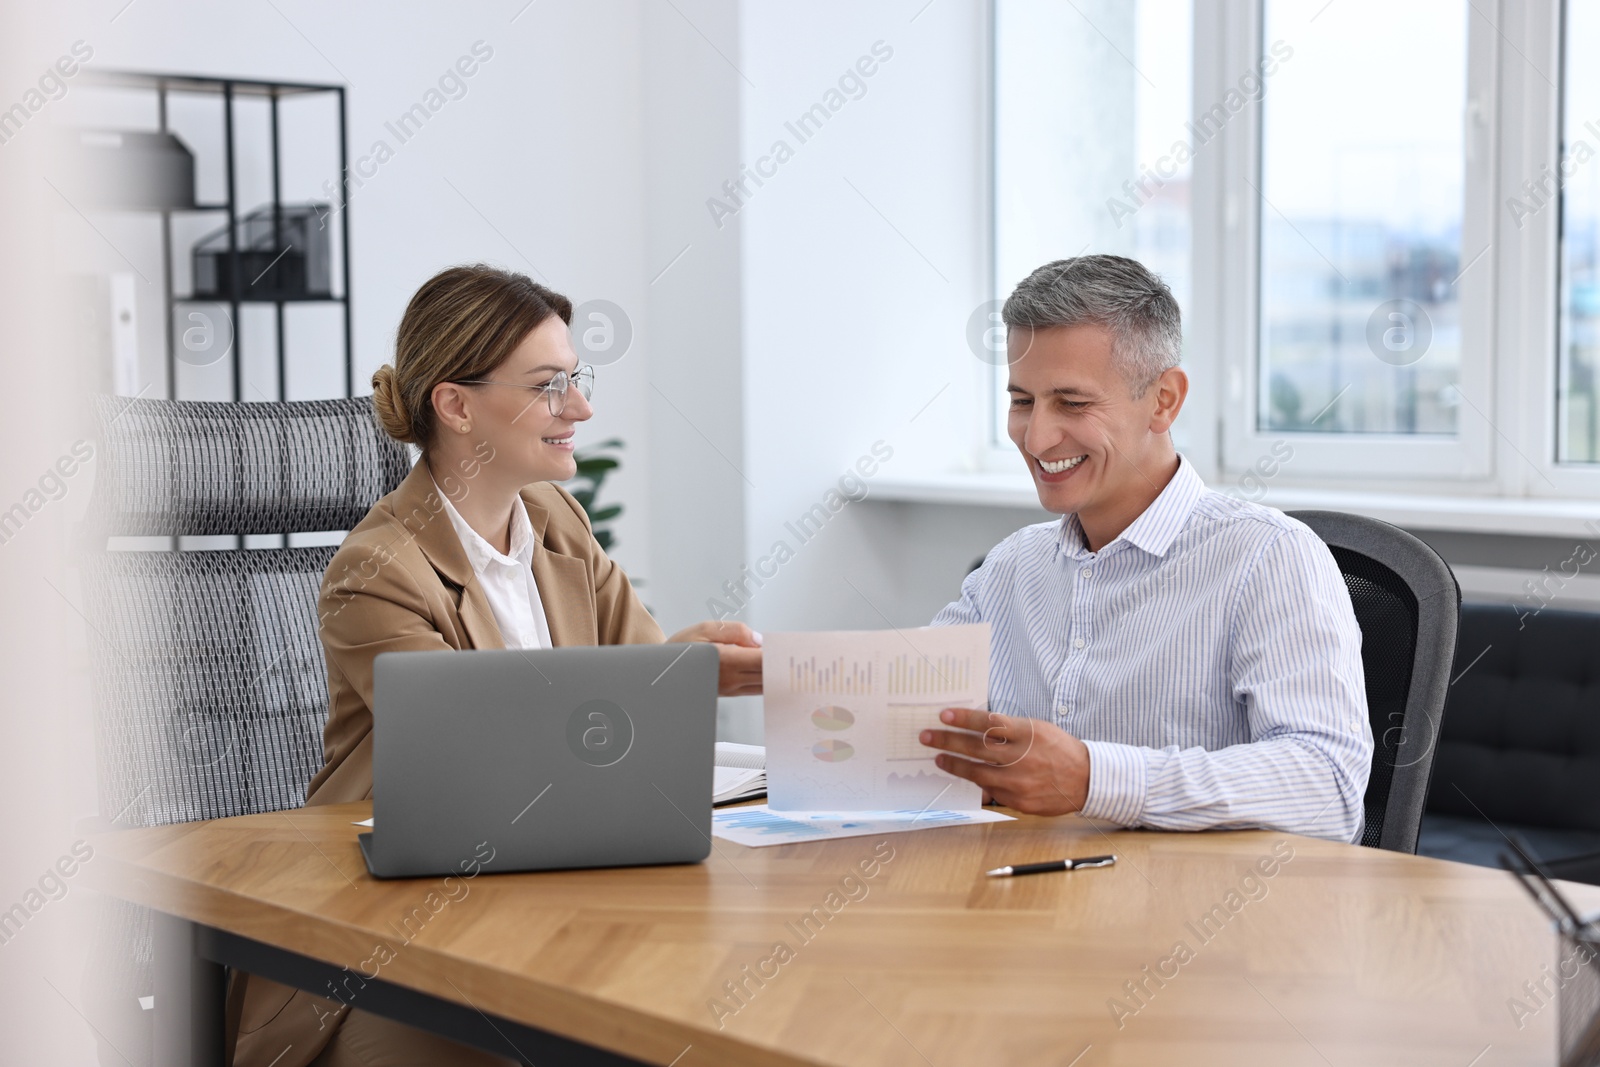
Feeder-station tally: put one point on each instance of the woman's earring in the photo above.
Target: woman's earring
(465, 427)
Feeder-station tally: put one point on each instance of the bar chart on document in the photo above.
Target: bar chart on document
(844, 709)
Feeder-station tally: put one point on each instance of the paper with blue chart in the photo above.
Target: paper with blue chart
(844, 710)
(758, 825)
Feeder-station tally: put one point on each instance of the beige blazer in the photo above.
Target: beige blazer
(401, 582)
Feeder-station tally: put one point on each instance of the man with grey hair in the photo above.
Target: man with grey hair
(1163, 655)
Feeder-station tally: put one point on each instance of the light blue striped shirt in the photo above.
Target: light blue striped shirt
(1208, 657)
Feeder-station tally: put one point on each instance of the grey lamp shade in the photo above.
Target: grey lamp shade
(132, 170)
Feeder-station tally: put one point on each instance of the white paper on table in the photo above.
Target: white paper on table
(758, 825)
(844, 709)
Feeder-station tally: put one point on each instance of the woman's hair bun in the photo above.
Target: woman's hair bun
(390, 409)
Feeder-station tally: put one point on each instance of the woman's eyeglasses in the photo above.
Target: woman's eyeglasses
(555, 390)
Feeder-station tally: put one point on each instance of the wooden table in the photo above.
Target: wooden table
(1343, 955)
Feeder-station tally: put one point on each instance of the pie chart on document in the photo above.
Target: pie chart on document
(832, 751)
(833, 717)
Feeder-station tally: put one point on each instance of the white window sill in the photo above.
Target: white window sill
(974, 488)
(1493, 515)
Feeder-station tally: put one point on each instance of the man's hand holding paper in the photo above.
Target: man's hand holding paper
(1033, 766)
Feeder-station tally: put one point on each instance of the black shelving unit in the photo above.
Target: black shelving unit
(231, 89)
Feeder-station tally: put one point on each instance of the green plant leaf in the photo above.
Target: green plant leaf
(593, 466)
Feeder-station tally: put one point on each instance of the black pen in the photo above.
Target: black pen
(1053, 865)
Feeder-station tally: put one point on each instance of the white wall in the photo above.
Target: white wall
(691, 285)
(864, 257)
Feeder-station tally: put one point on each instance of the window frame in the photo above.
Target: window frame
(1531, 276)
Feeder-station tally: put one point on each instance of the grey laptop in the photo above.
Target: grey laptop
(540, 759)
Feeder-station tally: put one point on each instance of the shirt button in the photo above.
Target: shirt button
(1086, 572)
(1077, 642)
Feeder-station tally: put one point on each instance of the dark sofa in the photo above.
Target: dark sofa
(1520, 747)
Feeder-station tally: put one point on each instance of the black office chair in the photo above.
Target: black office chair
(1408, 606)
(208, 676)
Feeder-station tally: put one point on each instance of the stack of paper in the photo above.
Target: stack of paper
(740, 773)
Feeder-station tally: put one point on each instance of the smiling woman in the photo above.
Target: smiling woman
(477, 549)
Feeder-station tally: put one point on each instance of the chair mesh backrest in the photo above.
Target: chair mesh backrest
(213, 691)
(1386, 611)
(211, 687)
(174, 467)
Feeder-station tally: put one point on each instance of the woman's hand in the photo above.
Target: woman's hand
(739, 653)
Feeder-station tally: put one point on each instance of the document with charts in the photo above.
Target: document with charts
(844, 709)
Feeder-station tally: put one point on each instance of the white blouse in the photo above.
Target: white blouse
(507, 580)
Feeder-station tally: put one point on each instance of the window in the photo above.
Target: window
(1389, 213)
(1356, 307)
(1361, 207)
